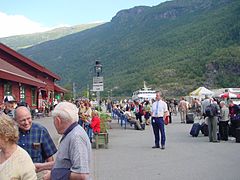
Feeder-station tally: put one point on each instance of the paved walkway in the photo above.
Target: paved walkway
(130, 156)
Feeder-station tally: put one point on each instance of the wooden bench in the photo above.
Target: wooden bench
(101, 139)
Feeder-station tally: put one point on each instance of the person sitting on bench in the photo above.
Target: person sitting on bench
(132, 119)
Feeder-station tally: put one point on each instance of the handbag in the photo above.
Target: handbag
(166, 120)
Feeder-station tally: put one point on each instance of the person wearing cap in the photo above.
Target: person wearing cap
(9, 106)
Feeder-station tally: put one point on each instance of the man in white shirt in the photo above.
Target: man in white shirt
(159, 112)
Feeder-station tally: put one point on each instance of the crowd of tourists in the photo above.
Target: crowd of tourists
(21, 139)
(88, 117)
(138, 113)
(219, 126)
(216, 118)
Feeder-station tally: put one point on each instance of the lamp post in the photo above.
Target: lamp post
(98, 68)
(98, 80)
(111, 94)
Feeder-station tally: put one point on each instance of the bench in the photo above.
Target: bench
(101, 139)
(122, 118)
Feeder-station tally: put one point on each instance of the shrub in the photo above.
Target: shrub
(104, 119)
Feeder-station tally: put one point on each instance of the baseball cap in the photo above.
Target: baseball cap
(9, 98)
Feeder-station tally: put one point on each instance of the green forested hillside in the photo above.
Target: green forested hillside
(175, 47)
(24, 41)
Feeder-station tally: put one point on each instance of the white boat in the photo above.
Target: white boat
(144, 94)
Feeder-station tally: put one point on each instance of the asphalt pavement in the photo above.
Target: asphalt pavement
(130, 157)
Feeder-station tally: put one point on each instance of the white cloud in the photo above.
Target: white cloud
(18, 24)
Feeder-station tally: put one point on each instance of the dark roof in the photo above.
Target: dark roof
(58, 88)
(12, 73)
(28, 61)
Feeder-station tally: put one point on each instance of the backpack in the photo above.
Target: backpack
(211, 110)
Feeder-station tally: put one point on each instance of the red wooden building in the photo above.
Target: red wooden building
(26, 80)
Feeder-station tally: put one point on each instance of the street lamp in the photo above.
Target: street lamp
(98, 80)
(111, 94)
(98, 68)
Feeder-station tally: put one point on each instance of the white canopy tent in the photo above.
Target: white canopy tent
(201, 92)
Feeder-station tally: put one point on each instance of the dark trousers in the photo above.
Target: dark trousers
(170, 117)
(223, 130)
(139, 117)
(234, 125)
(158, 125)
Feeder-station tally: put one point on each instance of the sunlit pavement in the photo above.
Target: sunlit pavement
(130, 157)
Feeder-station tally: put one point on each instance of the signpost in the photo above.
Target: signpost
(97, 84)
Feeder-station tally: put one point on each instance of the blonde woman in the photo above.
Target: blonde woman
(15, 163)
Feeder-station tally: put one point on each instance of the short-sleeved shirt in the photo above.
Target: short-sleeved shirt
(74, 152)
(37, 142)
(224, 114)
(159, 108)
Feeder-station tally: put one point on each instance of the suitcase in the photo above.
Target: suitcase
(231, 131)
(196, 127)
(204, 129)
(190, 118)
(238, 135)
(218, 136)
(143, 126)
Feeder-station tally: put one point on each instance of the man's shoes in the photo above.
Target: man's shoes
(162, 147)
(154, 147)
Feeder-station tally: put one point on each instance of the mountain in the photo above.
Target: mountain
(175, 47)
(28, 40)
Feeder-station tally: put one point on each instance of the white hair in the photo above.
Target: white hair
(66, 111)
(222, 102)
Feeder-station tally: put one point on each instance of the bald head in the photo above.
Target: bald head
(23, 118)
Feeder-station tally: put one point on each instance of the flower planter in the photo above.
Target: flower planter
(101, 139)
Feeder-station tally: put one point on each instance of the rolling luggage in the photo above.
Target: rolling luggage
(238, 135)
(204, 129)
(143, 126)
(196, 127)
(190, 118)
(231, 131)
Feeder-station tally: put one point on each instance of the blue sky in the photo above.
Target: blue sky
(43, 15)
